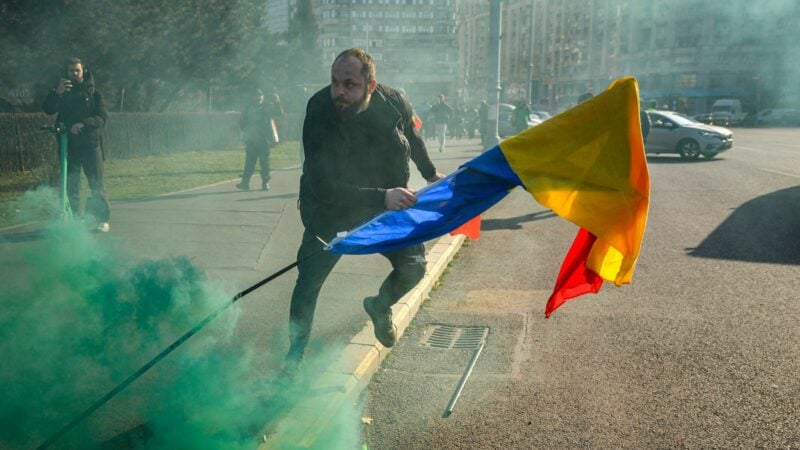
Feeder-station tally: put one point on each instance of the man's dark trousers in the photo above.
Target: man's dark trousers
(90, 160)
(408, 268)
(255, 152)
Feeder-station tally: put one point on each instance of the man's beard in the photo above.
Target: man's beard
(349, 110)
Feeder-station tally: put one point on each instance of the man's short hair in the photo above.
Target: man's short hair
(367, 64)
(72, 61)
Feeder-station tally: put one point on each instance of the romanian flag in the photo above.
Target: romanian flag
(586, 164)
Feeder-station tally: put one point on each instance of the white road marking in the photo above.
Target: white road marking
(782, 173)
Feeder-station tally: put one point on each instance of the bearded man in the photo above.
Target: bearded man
(358, 137)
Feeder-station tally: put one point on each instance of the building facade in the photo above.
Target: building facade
(685, 53)
(412, 41)
(278, 14)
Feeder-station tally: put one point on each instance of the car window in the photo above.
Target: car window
(681, 120)
(659, 121)
(684, 116)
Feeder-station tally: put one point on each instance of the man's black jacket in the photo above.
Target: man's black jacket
(351, 162)
(81, 104)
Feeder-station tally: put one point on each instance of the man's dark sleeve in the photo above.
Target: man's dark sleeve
(51, 102)
(321, 164)
(419, 153)
(644, 118)
(100, 116)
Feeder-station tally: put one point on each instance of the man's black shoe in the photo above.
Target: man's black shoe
(265, 187)
(243, 187)
(381, 322)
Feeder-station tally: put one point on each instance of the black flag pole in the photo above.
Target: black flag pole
(104, 399)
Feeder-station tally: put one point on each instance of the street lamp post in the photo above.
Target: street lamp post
(530, 52)
(756, 79)
(493, 88)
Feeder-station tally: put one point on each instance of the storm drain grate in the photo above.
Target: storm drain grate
(451, 336)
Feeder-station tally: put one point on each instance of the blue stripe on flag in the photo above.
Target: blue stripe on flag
(441, 208)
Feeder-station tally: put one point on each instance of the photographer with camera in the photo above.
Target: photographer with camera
(80, 107)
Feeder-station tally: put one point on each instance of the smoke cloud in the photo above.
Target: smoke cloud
(78, 316)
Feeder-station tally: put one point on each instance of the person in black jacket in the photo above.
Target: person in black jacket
(260, 135)
(358, 137)
(80, 107)
(644, 120)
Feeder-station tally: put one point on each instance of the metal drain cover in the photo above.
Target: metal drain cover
(452, 336)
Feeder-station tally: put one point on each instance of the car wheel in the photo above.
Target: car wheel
(689, 149)
(709, 155)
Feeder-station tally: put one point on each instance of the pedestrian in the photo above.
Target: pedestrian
(521, 114)
(440, 114)
(260, 135)
(644, 120)
(358, 137)
(483, 119)
(81, 109)
(473, 119)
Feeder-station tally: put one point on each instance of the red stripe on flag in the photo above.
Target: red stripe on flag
(575, 278)
(471, 229)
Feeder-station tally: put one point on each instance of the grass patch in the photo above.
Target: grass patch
(145, 177)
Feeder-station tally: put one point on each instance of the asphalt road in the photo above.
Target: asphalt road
(702, 350)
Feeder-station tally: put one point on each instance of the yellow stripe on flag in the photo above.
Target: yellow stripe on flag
(588, 165)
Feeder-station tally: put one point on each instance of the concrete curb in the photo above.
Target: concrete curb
(345, 379)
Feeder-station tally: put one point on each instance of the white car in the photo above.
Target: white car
(778, 117)
(671, 132)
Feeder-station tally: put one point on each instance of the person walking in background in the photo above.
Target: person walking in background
(644, 120)
(260, 135)
(483, 121)
(358, 137)
(521, 114)
(472, 121)
(440, 114)
(82, 110)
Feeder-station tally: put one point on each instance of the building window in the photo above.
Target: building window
(687, 81)
(722, 29)
(689, 33)
(716, 80)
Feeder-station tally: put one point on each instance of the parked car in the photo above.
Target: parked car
(702, 118)
(542, 115)
(505, 126)
(727, 111)
(674, 133)
(778, 117)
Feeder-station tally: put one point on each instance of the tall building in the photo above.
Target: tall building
(412, 41)
(685, 53)
(278, 13)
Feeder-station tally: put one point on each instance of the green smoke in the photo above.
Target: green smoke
(78, 316)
